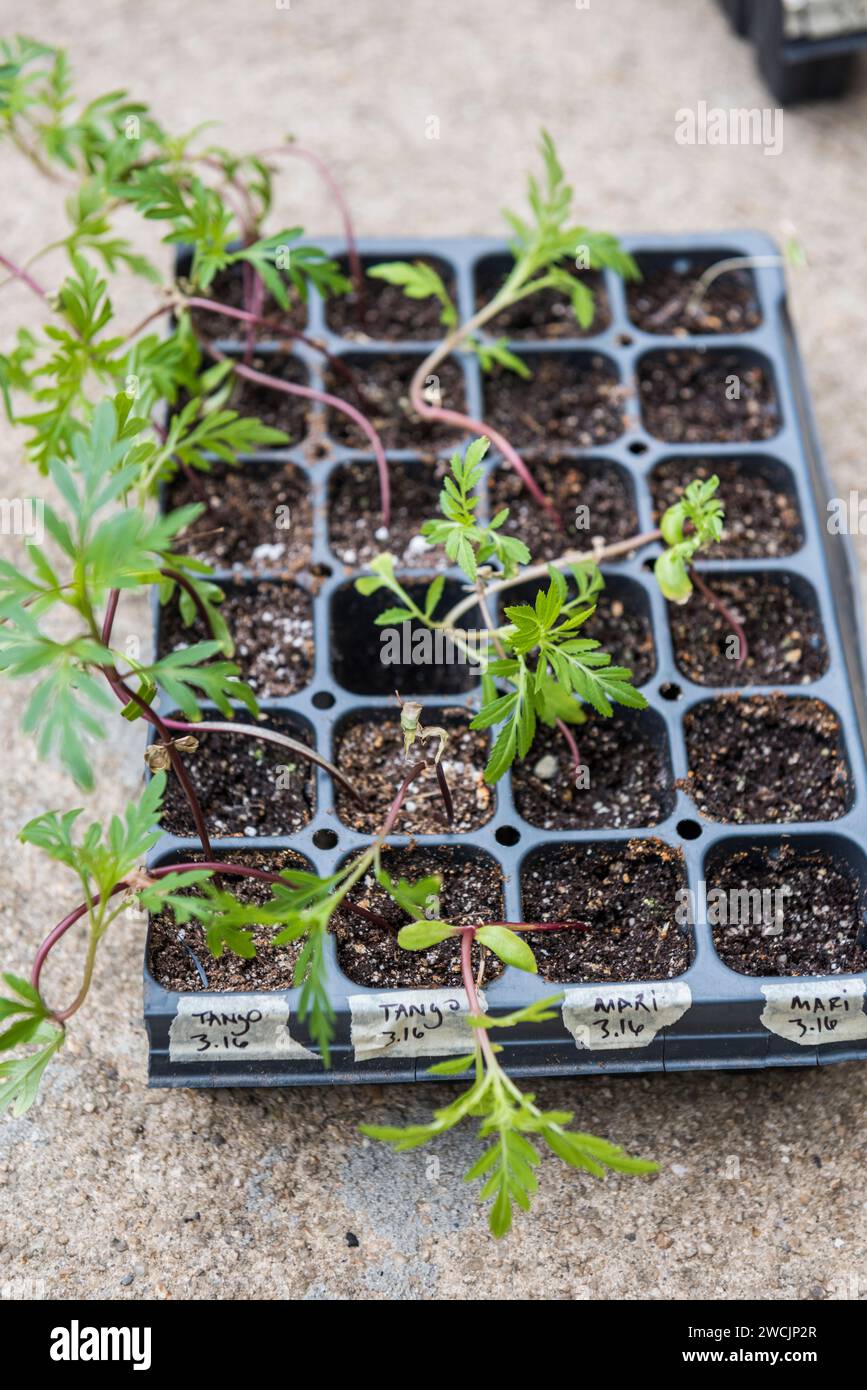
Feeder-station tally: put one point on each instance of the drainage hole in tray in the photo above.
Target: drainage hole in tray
(507, 835)
(669, 690)
(325, 839)
(688, 829)
(323, 699)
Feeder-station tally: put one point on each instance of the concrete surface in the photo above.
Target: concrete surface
(110, 1190)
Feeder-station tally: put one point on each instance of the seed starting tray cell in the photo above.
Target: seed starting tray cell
(707, 1016)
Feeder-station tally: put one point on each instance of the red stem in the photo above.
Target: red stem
(24, 276)
(374, 917)
(184, 583)
(467, 938)
(254, 300)
(716, 602)
(213, 306)
(539, 926)
(125, 694)
(573, 746)
(266, 735)
(63, 926)
(56, 933)
(356, 272)
(146, 321)
(110, 613)
(277, 326)
(445, 793)
(405, 785)
(475, 1006)
(468, 422)
(290, 388)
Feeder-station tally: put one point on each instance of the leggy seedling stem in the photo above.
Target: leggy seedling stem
(713, 272)
(165, 726)
(300, 152)
(292, 745)
(426, 411)
(19, 273)
(213, 306)
(290, 388)
(216, 867)
(727, 614)
(219, 867)
(540, 571)
(125, 694)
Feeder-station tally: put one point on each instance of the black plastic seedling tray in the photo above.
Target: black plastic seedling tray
(807, 51)
(708, 1017)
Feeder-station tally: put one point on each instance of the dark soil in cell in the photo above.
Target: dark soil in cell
(547, 314)
(820, 929)
(766, 758)
(227, 287)
(370, 752)
(658, 303)
(629, 779)
(626, 894)
(762, 520)
(625, 631)
(471, 893)
(371, 660)
(388, 313)
(572, 400)
(271, 405)
(355, 531)
(244, 524)
(271, 968)
(272, 625)
(784, 637)
(570, 484)
(621, 625)
(385, 382)
(245, 787)
(684, 398)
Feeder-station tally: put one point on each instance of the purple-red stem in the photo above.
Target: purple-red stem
(207, 726)
(254, 302)
(337, 364)
(445, 793)
(475, 1007)
(213, 306)
(125, 694)
(63, 926)
(537, 926)
(573, 746)
(355, 269)
(468, 422)
(184, 583)
(716, 602)
(291, 388)
(404, 787)
(24, 276)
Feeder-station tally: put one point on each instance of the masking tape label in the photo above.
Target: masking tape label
(233, 1027)
(816, 1012)
(411, 1023)
(603, 1018)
